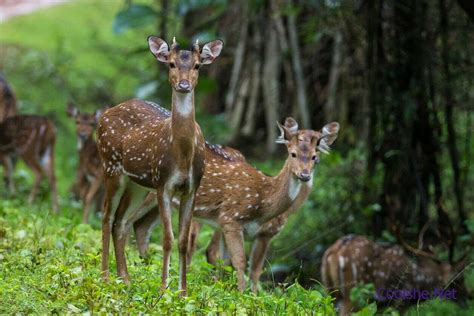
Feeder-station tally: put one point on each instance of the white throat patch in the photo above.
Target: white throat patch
(294, 187)
(184, 103)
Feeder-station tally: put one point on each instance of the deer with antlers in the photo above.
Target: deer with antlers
(89, 179)
(144, 148)
(32, 138)
(239, 200)
(352, 260)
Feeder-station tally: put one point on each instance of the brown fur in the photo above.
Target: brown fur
(89, 175)
(352, 260)
(158, 152)
(8, 106)
(32, 138)
(233, 194)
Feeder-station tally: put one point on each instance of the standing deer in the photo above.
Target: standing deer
(31, 138)
(145, 149)
(238, 199)
(352, 260)
(89, 178)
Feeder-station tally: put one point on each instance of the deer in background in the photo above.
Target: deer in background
(8, 109)
(8, 106)
(239, 200)
(89, 179)
(32, 138)
(145, 149)
(352, 260)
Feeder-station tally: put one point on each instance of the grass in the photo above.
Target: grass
(50, 264)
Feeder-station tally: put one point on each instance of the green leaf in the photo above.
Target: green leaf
(136, 15)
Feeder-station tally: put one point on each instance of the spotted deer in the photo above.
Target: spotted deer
(354, 260)
(31, 138)
(144, 148)
(89, 175)
(239, 200)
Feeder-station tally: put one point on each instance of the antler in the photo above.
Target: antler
(413, 250)
(175, 44)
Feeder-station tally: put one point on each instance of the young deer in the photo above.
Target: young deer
(238, 199)
(139, 141)
(352, 260)
(89, 179)
(31, 138)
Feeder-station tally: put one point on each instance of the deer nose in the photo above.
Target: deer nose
(184, 85)
(305, 176)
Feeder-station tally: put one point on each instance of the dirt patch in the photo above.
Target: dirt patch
(12, 8)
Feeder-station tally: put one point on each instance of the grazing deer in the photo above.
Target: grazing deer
(145, 149)
(31, 138)
(352, 260)
(238, 199)
(89, 180)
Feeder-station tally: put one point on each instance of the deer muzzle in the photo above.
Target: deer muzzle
(184, 86)
(305, 176)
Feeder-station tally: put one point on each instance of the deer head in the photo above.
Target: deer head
(85, 122)
(304, 146)
(184, 64)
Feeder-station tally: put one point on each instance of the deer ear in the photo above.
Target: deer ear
(287, 131)
(291, 125)
(211, 51)
(328, 136)
(71, 110)
(159, 48)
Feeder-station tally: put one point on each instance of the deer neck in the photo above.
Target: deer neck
(283, 192)
(183, 123)
(85, 144)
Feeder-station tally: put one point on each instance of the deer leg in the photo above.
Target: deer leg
(212, 251)
(186, 207)
(47, 162)
(143, 228)
(38, 171)
(234, 240)
(192, 244)
(112, 185)
(259, 250)
(91, 193)
(164, 206)
(345, 306)
(120, 230)
(8, 168)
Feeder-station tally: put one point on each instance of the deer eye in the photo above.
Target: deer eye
(196, 67)
(293, 155)
(172, 65)
(314, 157)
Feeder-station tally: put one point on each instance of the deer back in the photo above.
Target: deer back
(27, 135)
(356, 259)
